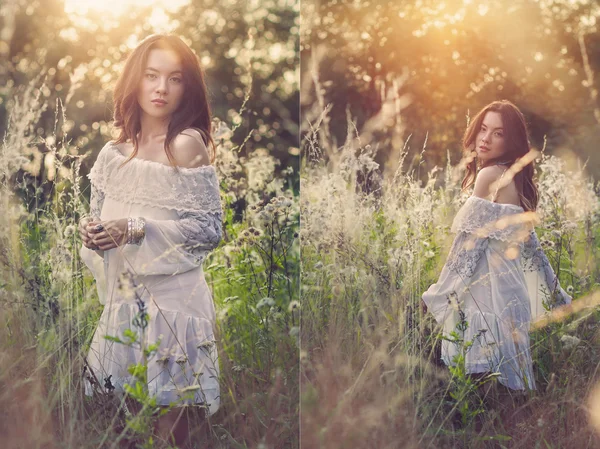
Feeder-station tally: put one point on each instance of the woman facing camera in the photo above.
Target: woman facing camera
(155, 213)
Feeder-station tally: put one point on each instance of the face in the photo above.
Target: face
(489, 143)
(162, 79)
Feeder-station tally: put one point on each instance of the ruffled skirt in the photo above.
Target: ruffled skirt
(185, 370)
(485, 313)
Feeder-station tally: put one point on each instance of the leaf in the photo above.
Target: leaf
(114, 339)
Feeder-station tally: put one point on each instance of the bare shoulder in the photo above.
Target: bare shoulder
(485, 178)
(189, 149)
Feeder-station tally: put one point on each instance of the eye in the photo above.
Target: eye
(177, 80)
(499, 134)
(148, 75)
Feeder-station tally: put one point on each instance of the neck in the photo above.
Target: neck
(153, 129)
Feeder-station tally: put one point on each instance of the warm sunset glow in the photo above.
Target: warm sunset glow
(116, 8)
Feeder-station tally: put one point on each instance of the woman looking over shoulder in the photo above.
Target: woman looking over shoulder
(496, 279)
(155, 213)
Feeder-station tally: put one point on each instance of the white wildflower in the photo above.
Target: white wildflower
(569, 342)
(265, 302)
(294, 305)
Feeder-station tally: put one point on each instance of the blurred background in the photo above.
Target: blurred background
(419, 68)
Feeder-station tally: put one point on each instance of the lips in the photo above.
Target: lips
(159, 101)
(483, 148)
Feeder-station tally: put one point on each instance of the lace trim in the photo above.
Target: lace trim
(485, 218)
(154, 184)
(465, 254)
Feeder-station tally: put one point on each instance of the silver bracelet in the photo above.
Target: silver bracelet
(136, 230)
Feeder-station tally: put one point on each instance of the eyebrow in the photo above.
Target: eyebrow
(155, 70)
(483, 124)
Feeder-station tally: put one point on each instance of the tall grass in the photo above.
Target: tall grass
(373, 241)
(49, 308)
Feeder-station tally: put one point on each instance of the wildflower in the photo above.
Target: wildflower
(181, 360)
(221, 130)
(425, 243)
(429, 254)
(546, 243)
(453, 300)
(69, 231)
(164, 361)
(540, 422)
(264, 215)
(569, 226)
(569, 342)
(205, 345)
(570, 289)
(265, 302)
(294, 305)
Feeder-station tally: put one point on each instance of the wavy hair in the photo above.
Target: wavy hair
(517, 145)
(193, 111)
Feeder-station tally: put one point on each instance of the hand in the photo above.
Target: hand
(83, 231)
(113, 234)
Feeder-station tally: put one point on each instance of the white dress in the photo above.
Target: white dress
(183, 223)
(496, 280)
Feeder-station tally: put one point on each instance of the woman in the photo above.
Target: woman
(155, 214)
(497, 278)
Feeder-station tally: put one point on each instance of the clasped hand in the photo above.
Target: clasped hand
(113, 234)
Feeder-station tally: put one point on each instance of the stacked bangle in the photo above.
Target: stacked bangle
(136, 230)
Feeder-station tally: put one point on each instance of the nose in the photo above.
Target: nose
(161, 88)
(484, 138)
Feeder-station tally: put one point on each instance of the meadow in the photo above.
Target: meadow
(49, 307)
(372, 242)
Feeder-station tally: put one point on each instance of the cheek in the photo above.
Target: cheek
(144, 87)
(178, 93)
(499, 143)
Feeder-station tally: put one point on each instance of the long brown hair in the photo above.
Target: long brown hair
(194, 110)
(516, 140)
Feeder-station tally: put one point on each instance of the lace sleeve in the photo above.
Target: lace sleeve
(202, 231)
(464, 254)
(194, 234)
(534, 261)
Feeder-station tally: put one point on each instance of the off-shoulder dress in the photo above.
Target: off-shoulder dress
(182, 210)
(495, 281)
